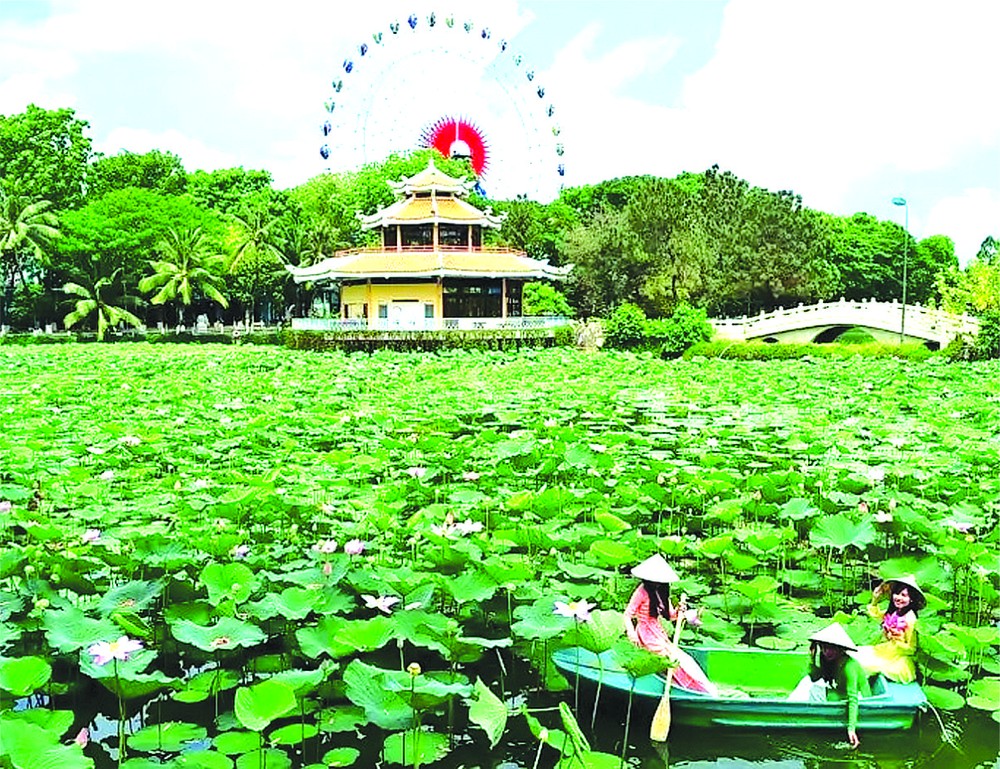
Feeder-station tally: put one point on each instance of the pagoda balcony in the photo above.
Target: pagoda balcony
(430, 249)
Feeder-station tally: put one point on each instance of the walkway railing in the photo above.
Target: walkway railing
(923, 322)
(427, 324)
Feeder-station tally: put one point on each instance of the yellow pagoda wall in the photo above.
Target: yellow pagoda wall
(357, 295)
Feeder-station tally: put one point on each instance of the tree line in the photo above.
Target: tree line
(101, 241)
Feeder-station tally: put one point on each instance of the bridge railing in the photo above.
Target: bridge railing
(928, 321)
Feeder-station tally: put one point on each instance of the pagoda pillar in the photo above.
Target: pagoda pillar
(503, 299)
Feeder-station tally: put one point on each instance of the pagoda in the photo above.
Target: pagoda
(431, 270)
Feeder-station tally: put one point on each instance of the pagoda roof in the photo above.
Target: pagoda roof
(428, 263)
(429, 209)
(431, 179)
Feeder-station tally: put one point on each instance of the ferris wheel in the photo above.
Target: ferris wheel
(444, 82)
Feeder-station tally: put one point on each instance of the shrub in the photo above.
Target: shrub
(426, 341)
(673, 335)
(626, 328)
(543, 299)
(763, 351)
(988, 338)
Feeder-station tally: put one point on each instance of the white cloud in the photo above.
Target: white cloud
(194, 153)
(967, 219)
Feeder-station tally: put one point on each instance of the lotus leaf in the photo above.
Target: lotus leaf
(69, 629)
(136, 596)
(840, 532)
(23, 675)
(339, 637)
(345, 718)
(944, 699)
(488, 712)
(340, 757)
(269, 758)
(206, 684)
(28, 746)
(227, 633)
(611, 553)
(258, 705)
(473, 585)
(384, 708)
(293, 734)
(985, 694)
(169, 736)
(231, 742)
(228, 582)
(415, 747)
(203, 759)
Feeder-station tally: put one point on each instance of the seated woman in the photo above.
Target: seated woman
(650, 602)
(893, 658)
(834, 674)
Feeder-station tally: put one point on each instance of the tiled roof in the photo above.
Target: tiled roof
(429, 264)
(424, 210)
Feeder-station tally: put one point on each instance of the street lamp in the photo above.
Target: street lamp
(906, 238)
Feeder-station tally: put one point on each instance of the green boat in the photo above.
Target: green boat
(755, 684)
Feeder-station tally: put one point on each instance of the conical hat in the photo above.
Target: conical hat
(834, 635)
(655, 569)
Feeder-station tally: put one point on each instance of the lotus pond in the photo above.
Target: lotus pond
(247, 557)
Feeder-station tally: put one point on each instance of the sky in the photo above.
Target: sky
(848, 103)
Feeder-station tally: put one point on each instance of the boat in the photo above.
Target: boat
(754, 685)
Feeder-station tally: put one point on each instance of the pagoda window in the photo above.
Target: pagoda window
(453, 235)
(418, 235)
(477, 237)
(389, 237)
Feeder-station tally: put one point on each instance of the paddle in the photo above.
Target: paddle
(660, 727)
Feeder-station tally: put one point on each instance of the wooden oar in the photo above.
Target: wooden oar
(660, 728)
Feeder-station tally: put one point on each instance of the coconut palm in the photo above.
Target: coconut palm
(25, 228)
(92, 300)
(187, 266)
(257, 255)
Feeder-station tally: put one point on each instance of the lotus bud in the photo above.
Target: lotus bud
(413, 669)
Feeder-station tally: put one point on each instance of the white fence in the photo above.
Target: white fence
(426, 324)
(920, 322)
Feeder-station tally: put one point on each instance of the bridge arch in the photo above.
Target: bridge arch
(826, 321)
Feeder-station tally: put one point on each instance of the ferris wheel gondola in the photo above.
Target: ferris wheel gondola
(447, 84)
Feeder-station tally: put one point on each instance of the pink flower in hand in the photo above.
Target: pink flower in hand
(82, 737)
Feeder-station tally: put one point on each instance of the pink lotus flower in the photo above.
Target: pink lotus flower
(91, 535)
(383, 603)
(470, 475)
(467, 527)
(416, 472)
(578, 610)
(103, 652)
(5, 506)
(893, 623)
(325, 546)
(354, 547)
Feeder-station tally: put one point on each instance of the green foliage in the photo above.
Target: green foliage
(428, 341)
(626, 328)
(544, 299)
(44, 156)
(155, 170)
(764, 351)
(686, 327)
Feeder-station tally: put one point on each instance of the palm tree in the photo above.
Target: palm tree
(25, 228)
(92, 300)
(186, 267)
(257, 251)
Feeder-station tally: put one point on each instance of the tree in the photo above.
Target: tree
(158, 171)
(543, 299)
(187, 267)
(26, 230)
(225, 190)
(44, 156)
(257, 256)
(609, 267)
(94, 298)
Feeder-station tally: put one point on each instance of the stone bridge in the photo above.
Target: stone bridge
(825, 321)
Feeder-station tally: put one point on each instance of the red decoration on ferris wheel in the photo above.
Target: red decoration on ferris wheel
(457, 137)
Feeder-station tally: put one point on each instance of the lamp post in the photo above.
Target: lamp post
(906, 238)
